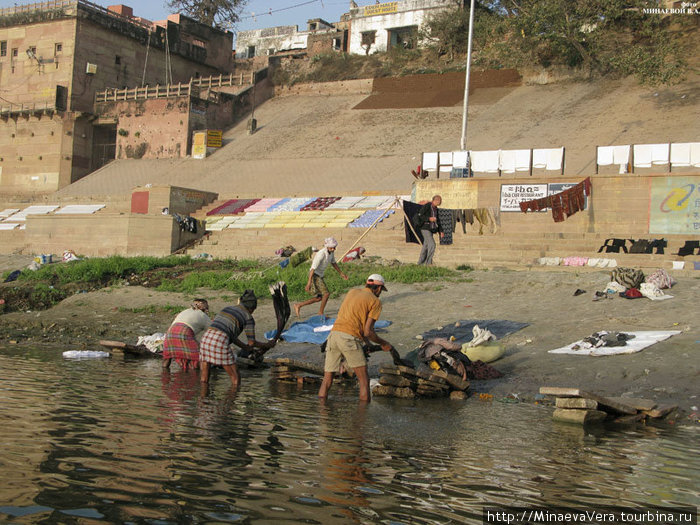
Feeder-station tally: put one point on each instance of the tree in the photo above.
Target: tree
(217, 13)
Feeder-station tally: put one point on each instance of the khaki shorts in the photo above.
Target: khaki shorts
(319, 286)
(341, 345)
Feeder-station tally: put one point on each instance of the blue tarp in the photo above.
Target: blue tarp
(463, 332)
(303, 331)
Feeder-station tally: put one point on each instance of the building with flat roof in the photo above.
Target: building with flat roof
(55, 55)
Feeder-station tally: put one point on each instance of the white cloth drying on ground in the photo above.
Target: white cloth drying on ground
(614, 287)
(549, 261)
(324, 328)
(651, 291)
(640, 342)
(601, 262)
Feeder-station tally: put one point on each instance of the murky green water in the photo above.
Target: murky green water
(119, 442)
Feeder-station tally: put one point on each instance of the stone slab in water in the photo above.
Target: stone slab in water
(579, 417)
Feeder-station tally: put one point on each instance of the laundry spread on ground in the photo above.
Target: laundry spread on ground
(305, 331)
(633, 342)
(463, 331)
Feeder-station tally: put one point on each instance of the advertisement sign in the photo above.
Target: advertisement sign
(381, 9)
(199, 145)
(675, 205)
(214, 138)
(513, 194)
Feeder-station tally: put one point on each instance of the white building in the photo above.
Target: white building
(379, 27)
(262, 42)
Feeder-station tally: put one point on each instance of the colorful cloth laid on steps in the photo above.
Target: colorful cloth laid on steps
(445, 220)
(563, 204)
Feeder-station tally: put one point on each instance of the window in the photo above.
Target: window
(3, 48)
(367, 40)
(117, 59)
(15, 51)
(250, 52)
(57, 48)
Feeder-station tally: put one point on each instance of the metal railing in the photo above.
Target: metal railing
(27, 109)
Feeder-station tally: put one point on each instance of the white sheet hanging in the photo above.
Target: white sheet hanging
(485, 161)
(539, 158)
(680, 155)
(507, 161)
(459, 159)
(522, 159)
(659, 153)
(430, 161)
(555, 159)
(605, 155)
(642, 155)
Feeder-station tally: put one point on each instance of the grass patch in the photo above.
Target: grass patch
(296, 278)
(153, 309)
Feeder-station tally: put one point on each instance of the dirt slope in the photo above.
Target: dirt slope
(319, 145)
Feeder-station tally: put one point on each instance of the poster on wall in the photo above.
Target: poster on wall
(675, 205)
(513, 194)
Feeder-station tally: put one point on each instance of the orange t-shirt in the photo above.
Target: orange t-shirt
(358, 305)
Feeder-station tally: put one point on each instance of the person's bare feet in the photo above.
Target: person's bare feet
(297, 309)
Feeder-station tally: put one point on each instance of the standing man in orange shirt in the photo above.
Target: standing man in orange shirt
(353, 327)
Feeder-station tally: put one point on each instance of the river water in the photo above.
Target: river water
(119, 441)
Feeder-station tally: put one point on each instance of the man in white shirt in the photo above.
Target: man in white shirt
(322, 259)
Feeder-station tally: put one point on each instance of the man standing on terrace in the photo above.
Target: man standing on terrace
(426, 220)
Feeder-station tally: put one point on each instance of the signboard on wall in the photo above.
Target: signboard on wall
(381, 9)
(199, 145)
(675, 205)
(513, 194)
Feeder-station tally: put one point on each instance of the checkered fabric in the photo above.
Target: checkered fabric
(180, 344)
(214, 348)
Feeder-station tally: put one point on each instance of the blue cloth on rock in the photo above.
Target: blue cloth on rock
(303, 331)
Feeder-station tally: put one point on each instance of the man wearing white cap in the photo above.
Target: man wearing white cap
(353, 327)
(323, 258)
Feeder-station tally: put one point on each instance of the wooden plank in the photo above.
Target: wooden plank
(389, 370)
(638, 403)
(579, 417)
(660, 411)
(576, 403)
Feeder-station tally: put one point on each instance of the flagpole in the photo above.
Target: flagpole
(463, 142)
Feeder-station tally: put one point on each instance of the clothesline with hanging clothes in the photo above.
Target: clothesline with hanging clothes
(563, 204)
(672, 155)
(486, 217)
(494, 161)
